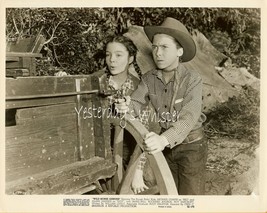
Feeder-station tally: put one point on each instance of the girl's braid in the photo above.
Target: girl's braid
(137, 69)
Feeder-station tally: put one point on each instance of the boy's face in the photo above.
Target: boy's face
(117, 58)
(165, 52)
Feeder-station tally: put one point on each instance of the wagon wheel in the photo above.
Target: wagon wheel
(121, 182)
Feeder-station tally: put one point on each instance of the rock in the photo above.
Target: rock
(239, 77)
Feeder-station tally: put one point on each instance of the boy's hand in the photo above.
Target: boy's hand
(138, 184)
(155, 143)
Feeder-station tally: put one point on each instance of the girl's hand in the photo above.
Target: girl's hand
(138, 184)
(121, 104)
(61, 73)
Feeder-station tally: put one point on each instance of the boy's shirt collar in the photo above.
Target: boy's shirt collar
(177, 73)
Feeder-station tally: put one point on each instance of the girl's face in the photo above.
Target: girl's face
(117, 58)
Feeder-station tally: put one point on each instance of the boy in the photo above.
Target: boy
(176, 95)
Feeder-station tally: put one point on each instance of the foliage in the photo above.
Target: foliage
(237, 118)
(75, 37)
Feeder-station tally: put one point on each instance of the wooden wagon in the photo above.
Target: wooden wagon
(56, 143)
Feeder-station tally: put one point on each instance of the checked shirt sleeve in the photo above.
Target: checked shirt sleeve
(138, 99)
(189, 114)
(142, 162)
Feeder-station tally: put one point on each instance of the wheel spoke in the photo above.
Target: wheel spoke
(160, 168)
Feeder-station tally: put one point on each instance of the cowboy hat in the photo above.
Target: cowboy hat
(177, 30)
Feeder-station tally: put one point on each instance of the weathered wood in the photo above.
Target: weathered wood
(29, 86)
(32, 44)
(32, 67)
(39, 144)
(38, 44)
(23, 54)
(14, 73)
(26, 114)
(59, 122)
(23, 62)
(39, 102)
(101, 123)
(48, 89)
(125, 187)
(21, 45)
(46, 136)
(84, 190)
(157, 161)
(12, 58)
(67, 179)
(85, 135)
(79, 127)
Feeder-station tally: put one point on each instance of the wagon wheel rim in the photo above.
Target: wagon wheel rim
(159, 165)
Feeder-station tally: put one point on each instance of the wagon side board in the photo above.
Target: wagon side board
(67, 179)
(49, 129)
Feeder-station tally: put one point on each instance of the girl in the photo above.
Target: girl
(120, 53)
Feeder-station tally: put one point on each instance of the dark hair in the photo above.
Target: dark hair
(130, 46)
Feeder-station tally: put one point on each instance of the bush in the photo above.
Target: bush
(238, 118)
(76, 36)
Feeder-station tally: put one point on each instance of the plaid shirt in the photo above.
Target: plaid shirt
(126, 89)
(153, 87)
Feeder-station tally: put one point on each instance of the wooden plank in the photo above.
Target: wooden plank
(23, 115)
(27, 45)
(100, 145)
(21, 63)
(87, 129)
(38, 44)
(125, 187)
(106, 128)
(39, 102)
(65, 179)
(12, 58)
(23, 54)
(87, 137)
(14, 73)
(21, 45)
(32, 67)
(49, 88)
(37, 117)
(29, 86)
(79, 119)
(40, 144)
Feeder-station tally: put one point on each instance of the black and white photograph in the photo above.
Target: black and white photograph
(128, 108)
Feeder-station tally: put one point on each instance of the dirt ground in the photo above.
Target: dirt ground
(232, 167)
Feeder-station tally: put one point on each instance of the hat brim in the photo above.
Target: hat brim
(184, 39)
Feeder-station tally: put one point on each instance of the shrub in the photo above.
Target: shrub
(76, 36)
(238, 118)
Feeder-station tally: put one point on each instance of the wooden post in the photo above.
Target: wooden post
(79, 128)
